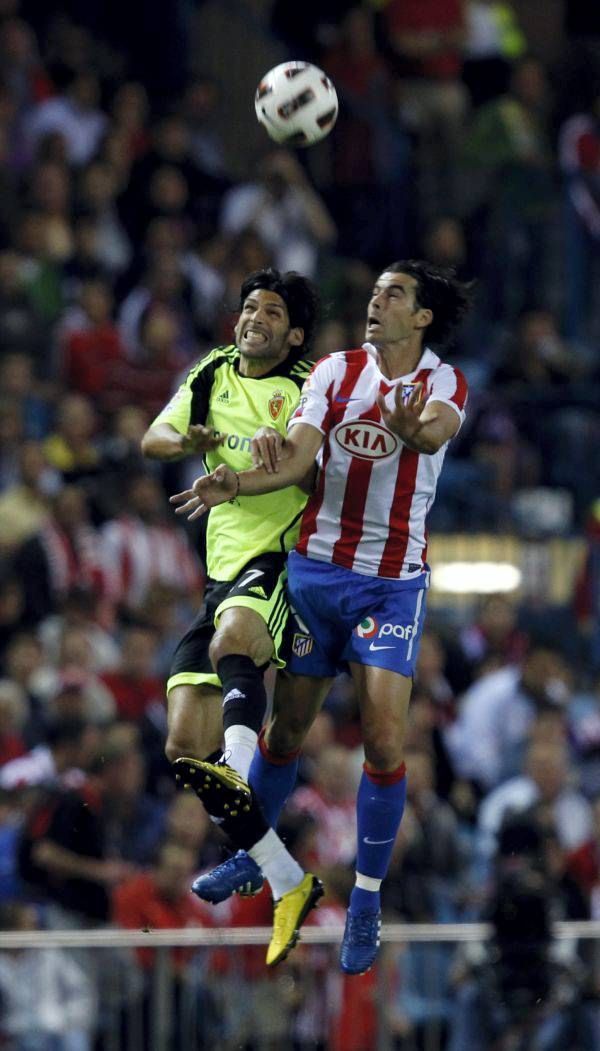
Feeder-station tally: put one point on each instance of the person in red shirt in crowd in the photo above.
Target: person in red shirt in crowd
(426, 39)
(160, 899)
(134, 687)
(92, 351)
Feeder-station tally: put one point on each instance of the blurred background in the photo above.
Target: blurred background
(136, 192)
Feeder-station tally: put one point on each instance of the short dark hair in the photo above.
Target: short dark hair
(298, 293)
(439, 290)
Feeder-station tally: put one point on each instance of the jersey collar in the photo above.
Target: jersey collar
(428, 360)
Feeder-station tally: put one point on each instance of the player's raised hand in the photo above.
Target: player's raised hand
(267, 449)
(208, 491)
(405, 418)
(199, 439)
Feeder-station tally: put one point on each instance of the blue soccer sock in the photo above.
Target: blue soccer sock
(379, 808)
(272, 777)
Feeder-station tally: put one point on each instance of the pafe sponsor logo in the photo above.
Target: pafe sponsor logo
(367, 628)
(399, 631)
(366, 440)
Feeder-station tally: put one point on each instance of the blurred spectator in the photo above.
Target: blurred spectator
(495, 715)
(75, 114)
(579, 152)
(330, 801)
(426, 39)
(21, 329)
(82, 610)
(50, 196)
(133, 685)
(587, 587)
(129, 115)
(78, 844)
(20, 383)
(25, 506)
(13, 712)
(284, 209)
(424, 882)
(171, 150)
(160, 899)
(67, 752)
(143, 546)
(98, 188)
(371, 151)
(494, 40)
(24, 666)
(92, 354)
(201, 108)
(493, 639)
(64, 554)
(70, 447)
(48, 1000)
(507, 147)
(546, 782)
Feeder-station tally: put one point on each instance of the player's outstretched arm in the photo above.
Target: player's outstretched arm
(223, 484)
(163, 442)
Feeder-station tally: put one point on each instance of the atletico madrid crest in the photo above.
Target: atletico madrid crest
(276, 404)
(301, 645)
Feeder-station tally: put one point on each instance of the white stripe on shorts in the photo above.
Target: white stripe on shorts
(416, 622)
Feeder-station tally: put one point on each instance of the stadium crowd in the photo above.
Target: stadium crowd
(124, 237)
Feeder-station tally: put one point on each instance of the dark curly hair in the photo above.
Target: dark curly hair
(439, 290)
(298, 293)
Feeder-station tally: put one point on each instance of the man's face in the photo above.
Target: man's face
(392, 313)
(263, 331)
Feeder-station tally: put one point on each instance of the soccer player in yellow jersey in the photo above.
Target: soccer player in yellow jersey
(219, 664)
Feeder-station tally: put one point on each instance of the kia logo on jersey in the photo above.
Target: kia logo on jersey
(366, 440)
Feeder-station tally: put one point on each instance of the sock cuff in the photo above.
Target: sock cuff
(390, 778)
(276, 760)
(236, 664)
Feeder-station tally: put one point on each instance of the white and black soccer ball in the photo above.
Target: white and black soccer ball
(296, 103)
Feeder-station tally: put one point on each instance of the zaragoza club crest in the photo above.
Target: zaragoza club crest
(276, 404)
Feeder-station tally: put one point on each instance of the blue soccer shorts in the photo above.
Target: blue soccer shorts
(343, 617)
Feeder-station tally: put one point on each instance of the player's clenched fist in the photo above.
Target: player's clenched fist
(208, 491)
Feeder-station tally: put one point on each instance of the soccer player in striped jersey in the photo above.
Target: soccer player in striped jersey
(378, 420)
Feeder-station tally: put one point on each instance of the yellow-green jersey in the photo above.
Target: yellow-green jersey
(216, 395)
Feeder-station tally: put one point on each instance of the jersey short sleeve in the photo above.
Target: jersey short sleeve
(190, 403)
(316, 398)
(448, 385)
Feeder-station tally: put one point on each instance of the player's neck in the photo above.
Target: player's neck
(256, 367)
(399, 359)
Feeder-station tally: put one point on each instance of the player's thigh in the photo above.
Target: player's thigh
(195, 722)
(384, 698)
(251, 618)
(242, 631)
(296, 702)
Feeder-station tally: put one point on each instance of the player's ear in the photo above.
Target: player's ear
(424, 317)
(296, 337)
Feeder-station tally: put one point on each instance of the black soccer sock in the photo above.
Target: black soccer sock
(244, 694)
(247, 827)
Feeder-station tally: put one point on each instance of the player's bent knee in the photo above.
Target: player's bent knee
(228, 642)
(178, 748)
(283, 736)
(383, 756)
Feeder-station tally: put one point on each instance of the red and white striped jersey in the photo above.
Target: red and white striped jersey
(373, 493)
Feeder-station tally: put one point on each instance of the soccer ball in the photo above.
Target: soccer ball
(296, 103)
